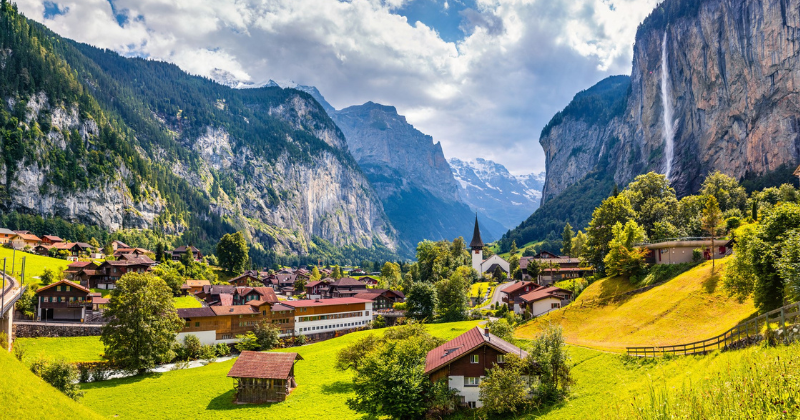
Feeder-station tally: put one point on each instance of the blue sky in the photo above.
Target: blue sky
(480, 76)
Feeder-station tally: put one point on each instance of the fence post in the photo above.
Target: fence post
(783, 319)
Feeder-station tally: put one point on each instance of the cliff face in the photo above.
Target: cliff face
(732, 79)
(384, 144)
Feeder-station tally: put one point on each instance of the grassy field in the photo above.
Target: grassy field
(186, 302)
(34, 264)
(476, 288)
(688, 308)
(25, 396)
(207, 393)
(71, 349)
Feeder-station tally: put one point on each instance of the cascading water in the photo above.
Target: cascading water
(666, 102)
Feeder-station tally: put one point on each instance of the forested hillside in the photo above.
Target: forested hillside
(89, 136)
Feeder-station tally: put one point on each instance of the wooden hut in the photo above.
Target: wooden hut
(263, 377)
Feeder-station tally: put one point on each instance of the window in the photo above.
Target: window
(58, 288)
(196, 324)
(472, 381)
(471, 404)
(555, 305)
(501, 358)
(68, 289)
(474, 358)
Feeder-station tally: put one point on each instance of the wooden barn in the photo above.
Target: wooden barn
(263, 377)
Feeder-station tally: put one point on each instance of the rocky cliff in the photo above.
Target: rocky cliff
(714, 86)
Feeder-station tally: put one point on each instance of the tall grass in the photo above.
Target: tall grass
(764, 384)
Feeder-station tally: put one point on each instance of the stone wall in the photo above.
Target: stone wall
(55, 330)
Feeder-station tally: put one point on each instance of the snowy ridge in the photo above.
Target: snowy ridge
(489, 188)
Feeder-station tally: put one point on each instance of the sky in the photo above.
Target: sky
(480, 76)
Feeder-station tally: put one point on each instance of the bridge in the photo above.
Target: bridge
(10, 292)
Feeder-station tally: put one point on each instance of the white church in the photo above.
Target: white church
(490, 264)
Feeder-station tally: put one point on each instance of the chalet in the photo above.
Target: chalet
(121, 252)
(22, 240)
(222, 323)
(51, 239)
(370, 281)
(111, 271)
(519, 288)
(542, 300)
(118, 244)
(244, 295)
(76, 267)
(554, 268)
(464, 361)
(212, 294)
(178, 252)
(490, 264)
(263, 377)
(382, 299)
(245, 279)
(682, 250)
(195, 286)
(346, 287)
(6, 235)
(318, 288)
(63, 301)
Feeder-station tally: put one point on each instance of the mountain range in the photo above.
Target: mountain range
(488, 188)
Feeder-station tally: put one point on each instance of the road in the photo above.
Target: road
(497, 297)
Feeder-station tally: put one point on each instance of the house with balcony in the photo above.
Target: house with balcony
(63, 301)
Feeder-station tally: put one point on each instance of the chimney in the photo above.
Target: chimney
(486, 331)
(316, 299)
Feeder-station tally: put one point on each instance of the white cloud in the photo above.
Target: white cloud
(488, 95)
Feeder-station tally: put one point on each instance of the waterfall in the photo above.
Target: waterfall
(666, 102)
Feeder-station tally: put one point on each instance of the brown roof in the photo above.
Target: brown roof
(195, 312)
(465, 343)
(68, 283)
(198, 283)
(267, 294)
(232, 310)
(372, 294)
(518, 286)
(79, 264)
(347, 281)
(28, 237)
(53, 238)
(538, 295)
(270, 365)
(280, 307)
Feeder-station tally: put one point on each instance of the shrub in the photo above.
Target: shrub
(4, 341)
(20, 352)
(191, 346)
(300, 340)
(101, 372)
(267, 334)
(208, 352)
(379, 322)
(697, 255)
(61, 375)
(222, 349)
(248, 341)
(84, 373)
(399, 306)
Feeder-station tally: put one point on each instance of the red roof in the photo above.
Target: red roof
(347, 281)
(53, 238)
(518, 286)
(79, 264)
(271, 365)
(465, 343)
(322, 302)
(538, 295)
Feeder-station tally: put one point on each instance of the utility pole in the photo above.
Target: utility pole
(3, 291)
(23, 270)
(13, 259)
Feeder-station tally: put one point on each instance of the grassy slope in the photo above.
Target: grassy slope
(186, 302)
(71, 349)
(689, 307)
(476, 288)
(207, 393)
(25, 396)
(34, 264)
(606, 384)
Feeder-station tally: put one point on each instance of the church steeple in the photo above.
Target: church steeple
(477, 242)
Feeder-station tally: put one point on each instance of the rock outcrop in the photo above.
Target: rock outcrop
(733, 79)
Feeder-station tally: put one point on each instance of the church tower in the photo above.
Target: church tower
(476, 245)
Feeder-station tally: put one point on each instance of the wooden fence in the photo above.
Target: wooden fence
(737, 334)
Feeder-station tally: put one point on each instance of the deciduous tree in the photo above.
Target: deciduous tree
(421, 301)
(142, 323)
(232, 251)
